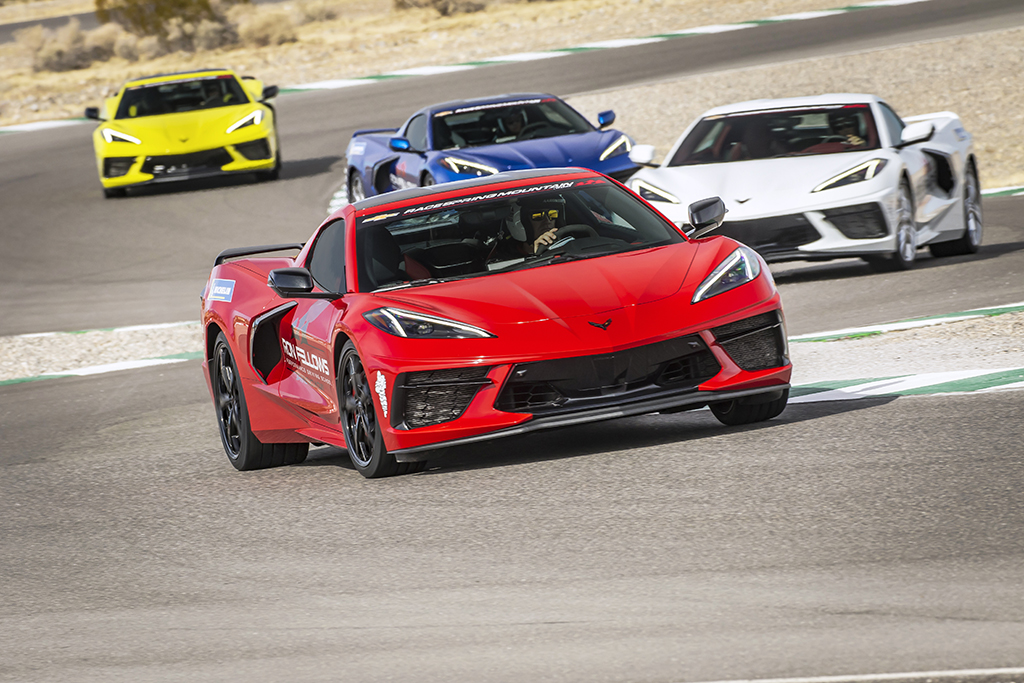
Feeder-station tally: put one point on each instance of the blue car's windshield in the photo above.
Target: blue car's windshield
(500, 122)
(171, 97)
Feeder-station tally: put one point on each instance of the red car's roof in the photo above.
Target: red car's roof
(462, 188)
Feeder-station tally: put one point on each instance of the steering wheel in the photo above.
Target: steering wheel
(531, 128)
(574, 230)
(832, 138)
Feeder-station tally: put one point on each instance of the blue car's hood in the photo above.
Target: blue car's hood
(580, 149)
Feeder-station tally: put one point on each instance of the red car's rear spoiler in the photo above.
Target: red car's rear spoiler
(249, 251)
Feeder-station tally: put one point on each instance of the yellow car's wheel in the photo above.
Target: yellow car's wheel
(111, 192)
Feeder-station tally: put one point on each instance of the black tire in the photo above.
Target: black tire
(272, 174)
(112, 192)
(243, 449)
(742, 411)
(905, 255)
(969, 242)
(364, 436)
(356, 190)
(427, 180)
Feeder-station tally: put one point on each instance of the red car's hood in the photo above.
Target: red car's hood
(558, 291)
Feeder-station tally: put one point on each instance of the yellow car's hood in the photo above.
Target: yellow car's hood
(188, 131)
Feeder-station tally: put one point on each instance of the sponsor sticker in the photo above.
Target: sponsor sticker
(381, 387)
(306, 361)
(222, 290)
(356, 149)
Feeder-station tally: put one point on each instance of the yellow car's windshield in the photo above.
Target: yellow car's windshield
(171, 97)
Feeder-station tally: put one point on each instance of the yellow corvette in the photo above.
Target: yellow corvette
(185, 125)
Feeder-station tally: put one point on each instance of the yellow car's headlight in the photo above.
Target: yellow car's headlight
(111, 135)
(251, 119)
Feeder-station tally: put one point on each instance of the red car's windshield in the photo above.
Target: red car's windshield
(778, 133)
(498, 231)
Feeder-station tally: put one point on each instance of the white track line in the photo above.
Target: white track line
(950, 673)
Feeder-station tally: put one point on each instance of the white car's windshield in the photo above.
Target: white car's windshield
(778, 133)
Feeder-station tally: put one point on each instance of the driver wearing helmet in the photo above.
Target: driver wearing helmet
(533, 224)
(847, 125)
(511, 124)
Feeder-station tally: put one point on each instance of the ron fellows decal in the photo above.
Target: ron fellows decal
(307, 362)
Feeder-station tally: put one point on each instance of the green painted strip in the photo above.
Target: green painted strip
(185, 355)
(1004, 193)
(819, 387)
(972, 384)
(23, 380)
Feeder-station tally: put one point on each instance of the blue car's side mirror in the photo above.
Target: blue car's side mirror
(605, 118)
(400, 144)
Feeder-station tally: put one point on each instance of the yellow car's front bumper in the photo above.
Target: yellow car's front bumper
(116, 170)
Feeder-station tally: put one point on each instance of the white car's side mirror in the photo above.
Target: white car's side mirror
(642, 155)
(920, 131)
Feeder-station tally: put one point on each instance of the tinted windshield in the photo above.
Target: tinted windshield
(489, 124)
(178, 96)
(497, 231)
(778, 133)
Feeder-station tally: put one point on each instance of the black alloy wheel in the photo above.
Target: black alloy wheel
(244, 450)
(744, 411)
(364, 436)
(356, 191)
(970, 241)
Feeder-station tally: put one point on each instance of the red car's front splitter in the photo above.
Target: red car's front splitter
(691, 399)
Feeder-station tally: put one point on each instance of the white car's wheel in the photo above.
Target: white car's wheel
(969, 242)
(906, 236)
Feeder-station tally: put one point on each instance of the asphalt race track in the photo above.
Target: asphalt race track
(857, 537)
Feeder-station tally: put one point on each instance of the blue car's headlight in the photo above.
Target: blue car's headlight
(620, 146)
(467, 167)
(402, 323)
(857, 174)
(248, 120)
(738, 268)
(111, 135)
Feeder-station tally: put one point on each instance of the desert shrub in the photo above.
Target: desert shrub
(150, 47)
(309, 11)
(260, 30)
(158, 17)
(444, 7)
(100, 43)
(210, 35)
(127, 46)
(62, 50)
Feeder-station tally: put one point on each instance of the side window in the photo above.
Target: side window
(327, 262)
(416, 132)
(893, 123)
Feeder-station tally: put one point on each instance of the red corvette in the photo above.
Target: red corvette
(474, 310)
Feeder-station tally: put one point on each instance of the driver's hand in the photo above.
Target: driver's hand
(855, 140)
(547, 239)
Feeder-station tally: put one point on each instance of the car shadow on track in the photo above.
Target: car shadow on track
(290, 170)
(849, 268)
(645, 431)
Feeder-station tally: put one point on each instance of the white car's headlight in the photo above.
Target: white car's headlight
(248, 120)
(620, 146)
(403, 323)
(111, 135)
(652, 193)
(468, 167)
(857, 174)
(738, 268)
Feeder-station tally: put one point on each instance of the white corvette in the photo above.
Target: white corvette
(818, 178)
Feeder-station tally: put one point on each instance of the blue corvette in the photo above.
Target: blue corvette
(471, 138)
